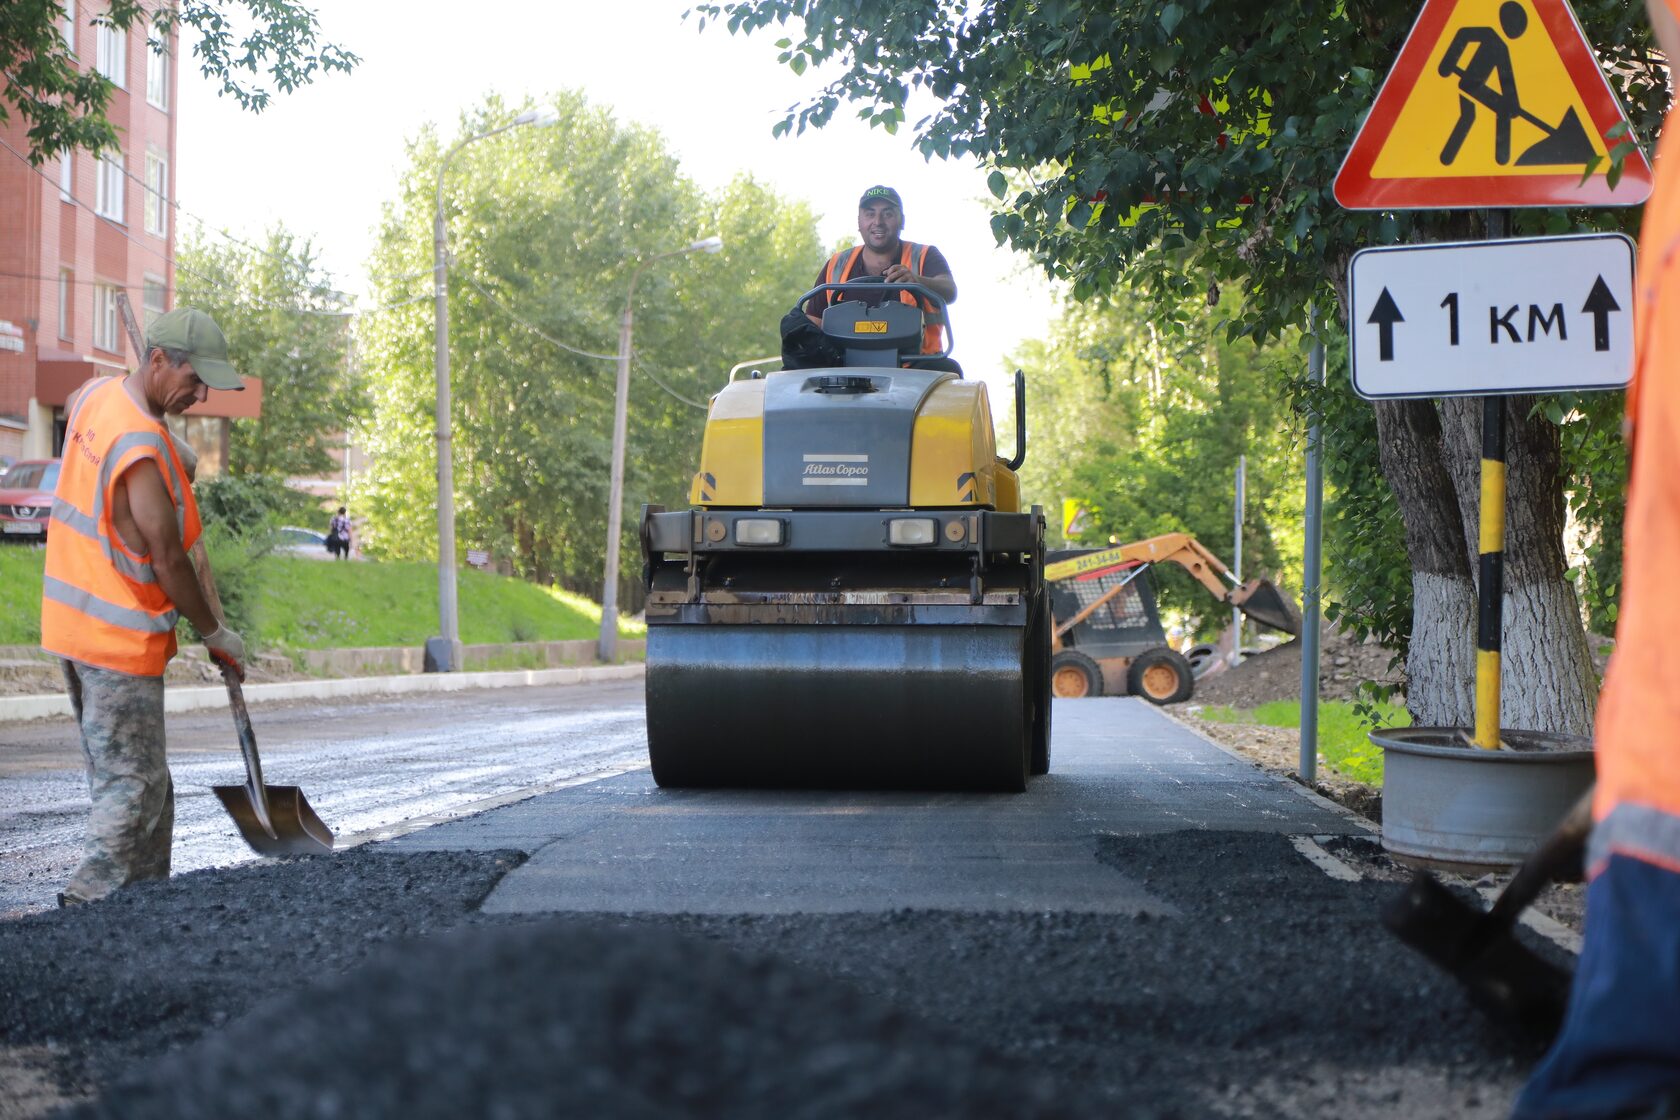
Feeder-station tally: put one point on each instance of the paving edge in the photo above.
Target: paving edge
(1365, 825)
(18, 708)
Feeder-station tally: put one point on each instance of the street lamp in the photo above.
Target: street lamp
(607, 647)
(443, 654)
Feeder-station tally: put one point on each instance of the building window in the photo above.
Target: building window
(154, 298)
(67, 175)
(108, 193)
(157, 194)
(157, 72)
(66, 305)
(106, 324)
(69, 25)
(110, 54)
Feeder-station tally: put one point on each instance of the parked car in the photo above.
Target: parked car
(26, 498)
(293, 541)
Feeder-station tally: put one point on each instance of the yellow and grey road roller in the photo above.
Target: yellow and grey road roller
(856, 598)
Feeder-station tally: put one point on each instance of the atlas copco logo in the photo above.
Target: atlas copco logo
(832, 468)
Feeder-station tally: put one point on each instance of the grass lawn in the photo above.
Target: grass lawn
(317, 604)
(20, 594)
(1341, 731)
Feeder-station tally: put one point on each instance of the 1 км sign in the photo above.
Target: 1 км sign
(1485, 318)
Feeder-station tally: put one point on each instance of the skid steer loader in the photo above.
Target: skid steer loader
(855, 598)
(1108, 638)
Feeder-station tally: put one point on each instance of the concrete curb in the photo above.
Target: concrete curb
(17, 708)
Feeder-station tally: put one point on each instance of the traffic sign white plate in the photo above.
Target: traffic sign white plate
(1487, 318)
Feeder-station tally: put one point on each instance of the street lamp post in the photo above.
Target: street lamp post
(443, 653)
(607, 647)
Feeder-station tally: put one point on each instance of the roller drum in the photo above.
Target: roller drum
(881, 706)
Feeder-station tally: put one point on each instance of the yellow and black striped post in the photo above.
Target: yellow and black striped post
(1491, 573)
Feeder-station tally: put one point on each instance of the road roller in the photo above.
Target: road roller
(855, 598)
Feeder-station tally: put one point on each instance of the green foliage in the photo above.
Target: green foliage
(20, 594)
(1343, 731)
(286, 325)
(319, 604)
(1367, 575)
(1145, 425)
(1595, 461)
(248, 505)
(251, 47)
(547, 226)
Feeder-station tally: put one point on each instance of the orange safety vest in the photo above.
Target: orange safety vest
(843, 266)
(1637, 803)
(101, 603)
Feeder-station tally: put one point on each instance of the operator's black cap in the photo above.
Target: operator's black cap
(880, 194)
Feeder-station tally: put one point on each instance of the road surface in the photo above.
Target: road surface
(372, 768)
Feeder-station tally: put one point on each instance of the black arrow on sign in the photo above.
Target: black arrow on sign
(1385, 315)
(1599, 305)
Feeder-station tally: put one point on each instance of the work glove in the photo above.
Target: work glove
(226, 648)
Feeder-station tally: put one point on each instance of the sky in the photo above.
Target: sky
(324, 158)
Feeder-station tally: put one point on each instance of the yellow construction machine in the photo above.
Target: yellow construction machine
(856, 598)
(1107, 635)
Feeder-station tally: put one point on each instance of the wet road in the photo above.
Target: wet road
(372, 768)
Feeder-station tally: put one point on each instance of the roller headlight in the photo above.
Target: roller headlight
(758, 531)
(912, 531)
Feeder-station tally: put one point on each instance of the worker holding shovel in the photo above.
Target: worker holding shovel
(117, 579)
(1618, 1054)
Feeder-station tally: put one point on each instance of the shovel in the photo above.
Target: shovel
(1501, 974)
(275, 820)
(1261, 600)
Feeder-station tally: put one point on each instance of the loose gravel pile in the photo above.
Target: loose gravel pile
(300, 990)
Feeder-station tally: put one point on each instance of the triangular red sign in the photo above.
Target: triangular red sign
(1491, 103)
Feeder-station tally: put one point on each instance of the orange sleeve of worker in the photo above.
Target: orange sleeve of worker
(1638, 734)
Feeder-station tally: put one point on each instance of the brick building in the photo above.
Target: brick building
(76, 231)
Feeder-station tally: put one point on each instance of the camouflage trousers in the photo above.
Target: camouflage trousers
(133, 817)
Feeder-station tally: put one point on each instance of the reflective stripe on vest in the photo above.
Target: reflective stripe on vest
(842, 264)
(101, 603)
(1637, 831)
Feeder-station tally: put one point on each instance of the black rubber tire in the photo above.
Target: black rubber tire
(1161, 676)
(1064, 665)
(1038, 687)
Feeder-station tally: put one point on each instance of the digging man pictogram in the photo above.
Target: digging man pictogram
(1478, 54)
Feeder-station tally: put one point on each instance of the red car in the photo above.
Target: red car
(26, 498)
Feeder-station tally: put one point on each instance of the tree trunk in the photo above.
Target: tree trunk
(1441, 664)
(1547, 676)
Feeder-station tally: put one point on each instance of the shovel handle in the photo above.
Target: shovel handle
(248, 748)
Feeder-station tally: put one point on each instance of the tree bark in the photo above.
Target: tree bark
(1547, 675)
(1441, 663)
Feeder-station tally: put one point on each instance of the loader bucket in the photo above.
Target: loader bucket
(1261, 600)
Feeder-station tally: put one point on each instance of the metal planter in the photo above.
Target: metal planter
(1448, 804)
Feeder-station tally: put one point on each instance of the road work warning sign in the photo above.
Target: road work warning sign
(1491, 103)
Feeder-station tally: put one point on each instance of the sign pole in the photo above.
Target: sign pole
(1490, 615)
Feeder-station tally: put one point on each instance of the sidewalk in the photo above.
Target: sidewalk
(13, 708)
(1119, 768)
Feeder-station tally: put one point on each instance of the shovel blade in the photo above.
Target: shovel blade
(1261, 600)
(297, 831)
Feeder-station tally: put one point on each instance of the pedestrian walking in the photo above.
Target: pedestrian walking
(338, 534)
(1618, 1054)
(117, 579)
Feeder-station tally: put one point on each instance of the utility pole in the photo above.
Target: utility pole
(606, 646)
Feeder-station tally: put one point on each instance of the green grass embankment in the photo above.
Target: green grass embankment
(1342, 732)
(316, 604)
(20, 594)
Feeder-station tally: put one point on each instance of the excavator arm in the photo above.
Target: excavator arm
(1258, 598)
